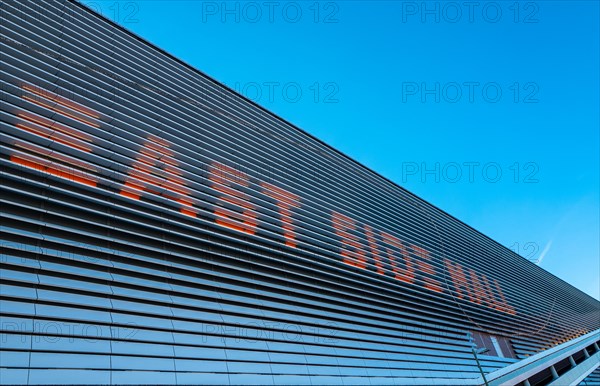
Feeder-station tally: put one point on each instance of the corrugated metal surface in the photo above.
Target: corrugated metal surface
(159, 228)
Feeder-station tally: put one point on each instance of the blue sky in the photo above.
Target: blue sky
(487, 109)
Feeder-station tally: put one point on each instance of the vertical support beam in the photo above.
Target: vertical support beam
(596, 346)
(586, 354)
(554, 373)
(572, 361)
(526, 383)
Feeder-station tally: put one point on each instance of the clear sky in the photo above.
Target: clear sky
(487, 109)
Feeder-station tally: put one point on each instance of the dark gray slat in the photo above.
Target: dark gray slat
(278, 332)
(403, 334)
(408, 338)
(390, 361)
(6, 130)
(233, 323)
(243, 302)
(44, 343)
(315, 235)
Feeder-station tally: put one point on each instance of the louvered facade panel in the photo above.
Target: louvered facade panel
(157, 227)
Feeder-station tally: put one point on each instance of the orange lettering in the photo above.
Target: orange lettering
(56, 170)
(155, 171)
(352, 252)
(426, 268)
(374, 251)
(477, 289)
(61, 105)
(285, 202)
(490, 295)
(228, 181)
(459, 280)
(57, 132)
(406, 274)
(505, 307)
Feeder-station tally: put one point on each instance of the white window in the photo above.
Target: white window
(497, 346)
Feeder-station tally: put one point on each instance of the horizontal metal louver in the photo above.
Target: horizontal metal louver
(157, 227)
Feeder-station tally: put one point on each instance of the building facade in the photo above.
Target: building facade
(158, 227)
